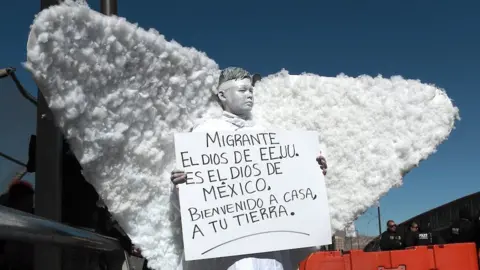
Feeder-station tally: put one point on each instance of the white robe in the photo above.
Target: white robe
(278, 260)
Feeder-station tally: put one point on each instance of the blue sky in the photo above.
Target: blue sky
(435, 41)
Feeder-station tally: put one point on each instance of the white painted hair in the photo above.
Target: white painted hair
(233, 73)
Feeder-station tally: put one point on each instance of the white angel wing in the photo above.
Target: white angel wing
(119, 93)
(373, 129)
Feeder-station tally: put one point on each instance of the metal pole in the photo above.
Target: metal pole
(16, 161)
(48, 181)
(358, 240)
(48, 176)
(108, 7)
(379, 221)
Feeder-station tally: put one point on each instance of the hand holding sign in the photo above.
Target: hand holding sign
(178, 177)
(323, 163)
(244, 187)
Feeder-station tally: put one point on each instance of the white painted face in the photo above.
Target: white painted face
(237, 96)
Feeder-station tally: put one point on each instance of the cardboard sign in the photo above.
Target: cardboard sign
(251, 192)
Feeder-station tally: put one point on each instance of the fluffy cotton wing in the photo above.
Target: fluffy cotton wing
(373, 129)
(119, 93)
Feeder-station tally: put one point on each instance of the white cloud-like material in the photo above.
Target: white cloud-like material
(119, 93)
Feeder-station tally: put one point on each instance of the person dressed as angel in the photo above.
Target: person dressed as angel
(235, 95)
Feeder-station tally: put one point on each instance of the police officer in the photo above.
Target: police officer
(418, 237)
(391, 239)
(463, 229)
(477, 230)
(411, 236)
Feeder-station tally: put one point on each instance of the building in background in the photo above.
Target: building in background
(339, 242)
(356, 241)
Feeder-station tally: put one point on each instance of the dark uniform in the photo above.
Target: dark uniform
(423, 238)
(410, 239)
(391, 241)
(463, 229)
(437, 238)
(477, 229)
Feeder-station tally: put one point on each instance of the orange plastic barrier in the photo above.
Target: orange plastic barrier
(327, 259)
(456, 256)
(359, 260)
(416, 258)
(439, 257)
